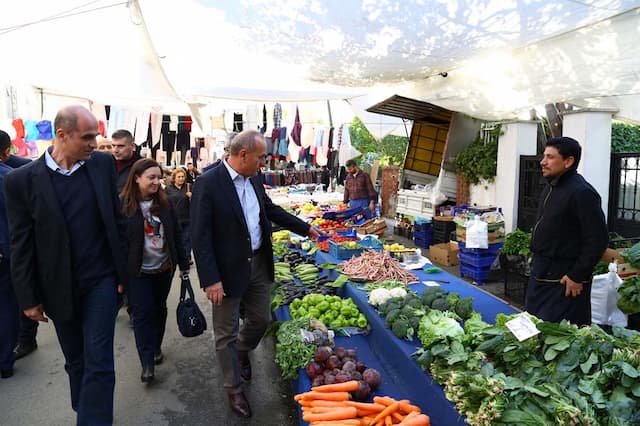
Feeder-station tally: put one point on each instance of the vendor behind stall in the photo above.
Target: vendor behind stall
(358, 189)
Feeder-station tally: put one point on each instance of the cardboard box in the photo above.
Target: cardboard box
(612, 254)
(625, 270)
(444, 254)
(372, 226)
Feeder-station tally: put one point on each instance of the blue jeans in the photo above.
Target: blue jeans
(87, 345)
(8, 318)
(148, 298)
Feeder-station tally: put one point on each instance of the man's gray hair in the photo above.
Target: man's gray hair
(247, 139)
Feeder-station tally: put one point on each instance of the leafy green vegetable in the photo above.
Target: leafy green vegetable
(632, 255)
(292, 353)
(629, 291)
(517, 242)
(437, 326)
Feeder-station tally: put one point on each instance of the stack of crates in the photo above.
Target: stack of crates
(422, 232)
(476, 263)
(442, 228)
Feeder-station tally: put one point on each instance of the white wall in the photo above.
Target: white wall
(483, 194)
(518, 138)
(592, 129)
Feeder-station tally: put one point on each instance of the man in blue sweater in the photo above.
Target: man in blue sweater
(68, 256)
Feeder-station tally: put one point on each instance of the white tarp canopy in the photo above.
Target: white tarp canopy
(501, 58)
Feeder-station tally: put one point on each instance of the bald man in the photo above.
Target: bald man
(67, 255)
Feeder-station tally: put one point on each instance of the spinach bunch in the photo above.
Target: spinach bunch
(517, 243)
(629, 291)
(292, 353)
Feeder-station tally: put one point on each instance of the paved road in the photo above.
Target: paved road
(188, 388)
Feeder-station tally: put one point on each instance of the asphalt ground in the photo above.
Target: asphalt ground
(187, 391)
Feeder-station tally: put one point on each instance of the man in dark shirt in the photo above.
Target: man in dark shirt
(67, 255)
(358, 189)
(124, 151)
(568, 239)
(192, 174)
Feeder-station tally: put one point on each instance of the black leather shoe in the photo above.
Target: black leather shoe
(6, 373)
(158, 358)
(24, 348)
(239, 404)
(147, 373)
(245, 365)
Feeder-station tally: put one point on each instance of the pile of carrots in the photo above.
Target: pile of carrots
(330, 405)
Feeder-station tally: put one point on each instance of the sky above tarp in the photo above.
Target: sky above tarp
(497, 55)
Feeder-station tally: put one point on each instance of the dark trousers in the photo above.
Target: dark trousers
(87, 345)
(8, 318)
(148, 298)
(186, 238)
(229, 338)
(27, 329)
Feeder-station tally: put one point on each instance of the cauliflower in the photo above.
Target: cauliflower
(379, 296)
(398, 292)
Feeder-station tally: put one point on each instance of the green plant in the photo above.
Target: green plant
(517, 242)
(625, 137)
(479, 159)
(390, 150)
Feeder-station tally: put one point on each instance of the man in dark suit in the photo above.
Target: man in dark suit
(231, 217)
(68, 256)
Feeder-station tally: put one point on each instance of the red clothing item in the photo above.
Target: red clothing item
(18, 124)
(359, 187)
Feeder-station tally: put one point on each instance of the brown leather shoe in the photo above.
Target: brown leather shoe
(245, 365)
(239, 404)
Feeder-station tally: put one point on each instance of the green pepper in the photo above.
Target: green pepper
(295, 303)
(335, 306)
(361, 322)
(323, 306)
(330, 315)
(301, 312)
(336, 323)
(345, 311)
(314, 313)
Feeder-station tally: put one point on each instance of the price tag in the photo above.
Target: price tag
(522, 327)
(431, 283)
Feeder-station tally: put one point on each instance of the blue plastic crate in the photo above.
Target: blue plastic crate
(477, 260)
(421, 227)
(422, 242)
(478, 275)
(491, 249)
(367, 243)
(344, 214)
(350, 233)
(424, 235)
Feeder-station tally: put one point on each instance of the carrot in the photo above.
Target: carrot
(392, 408)
(407, 407)
(365, 405)
(320, 409)
(344, 422)
(411, 415)
(387, 421)
(384, 400)
(350, 386)
(417, 420)
(366, 420)
(331, 396)
(335, 414)
(364, 413)
(327, 403)
(397, 417)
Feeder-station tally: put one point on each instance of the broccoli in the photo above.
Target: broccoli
(430, 294)
(452, 300)
(402, 329)
(464, 308)
(392, 316)
(440, 304)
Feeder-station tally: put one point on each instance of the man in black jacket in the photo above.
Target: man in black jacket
(231, 218)
(568, 239)
(68, 255)
(124, 151)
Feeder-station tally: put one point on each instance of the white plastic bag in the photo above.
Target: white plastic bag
(604, 298)
(477, 234)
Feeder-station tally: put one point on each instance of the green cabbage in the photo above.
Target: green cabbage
(437, 326)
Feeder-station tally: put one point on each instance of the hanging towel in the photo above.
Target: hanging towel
(297, 129)
(173, 123)
(252, 116)
(44, 130)
(306, 136)
(156, 128)
(142, 127)
(294, 151)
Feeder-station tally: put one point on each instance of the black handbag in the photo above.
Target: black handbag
(190, 318)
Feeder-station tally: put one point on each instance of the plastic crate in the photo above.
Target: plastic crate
(367, 243)
(422, 242)
(491, 249)
(344, 214)
(515, 287)
(477, 260)
(421, 227)
(441, 236)
(351, 233)
(478, 275)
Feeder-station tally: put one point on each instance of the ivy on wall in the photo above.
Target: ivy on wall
(625, 137)
(479, 159)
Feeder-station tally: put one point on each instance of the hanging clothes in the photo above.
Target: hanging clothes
(44, 130)
(283, 146)
(31, 131)
(277, 116)
(183, 137)
(263, 129)
(297, 129)
(275, 138)
(252, 116)
(156, 129)
(306, 136)
(18, 124)
(102, 128)
(237, 122)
